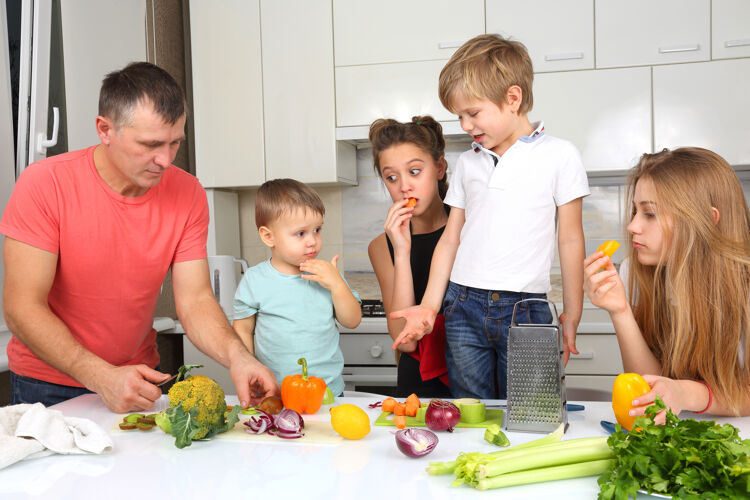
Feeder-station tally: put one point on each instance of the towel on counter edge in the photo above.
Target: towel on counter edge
(33, 431)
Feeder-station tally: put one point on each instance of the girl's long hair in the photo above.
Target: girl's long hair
(694, 306)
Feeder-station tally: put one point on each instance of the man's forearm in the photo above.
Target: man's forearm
(49, 338)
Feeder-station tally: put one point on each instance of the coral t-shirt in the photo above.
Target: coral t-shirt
(113, 254)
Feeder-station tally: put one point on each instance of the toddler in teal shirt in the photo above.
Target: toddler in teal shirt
(284, 307)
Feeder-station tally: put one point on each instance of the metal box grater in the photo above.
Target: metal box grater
(536, 377)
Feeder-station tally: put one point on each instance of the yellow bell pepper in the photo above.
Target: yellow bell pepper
(627, 387)
(609, 247)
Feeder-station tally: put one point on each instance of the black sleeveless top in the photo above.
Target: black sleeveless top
(422, 248)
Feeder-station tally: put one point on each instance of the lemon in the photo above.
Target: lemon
(350, 421)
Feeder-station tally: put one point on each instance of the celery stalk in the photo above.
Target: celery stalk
(514, 453)
(566, 452)
(569, 471)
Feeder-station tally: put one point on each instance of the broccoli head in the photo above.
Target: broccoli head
(197, 410)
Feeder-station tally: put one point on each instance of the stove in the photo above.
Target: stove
(369, 361)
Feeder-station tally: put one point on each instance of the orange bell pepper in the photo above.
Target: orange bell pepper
(627, 387)
(609, 248)
(301, 393)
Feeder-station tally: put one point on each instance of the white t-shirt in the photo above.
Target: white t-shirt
(508, 239)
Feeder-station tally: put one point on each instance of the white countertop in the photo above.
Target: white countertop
(146, 465)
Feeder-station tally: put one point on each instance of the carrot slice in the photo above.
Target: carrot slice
(399, 421)
(412, 202)
(399, 409)
(413, 400)
(388, 404)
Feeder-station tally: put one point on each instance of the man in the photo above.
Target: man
(90, 236)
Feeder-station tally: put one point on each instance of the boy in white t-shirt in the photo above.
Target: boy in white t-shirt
(498, 245)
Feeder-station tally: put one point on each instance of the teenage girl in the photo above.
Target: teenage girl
(409, 157)
(685, 321)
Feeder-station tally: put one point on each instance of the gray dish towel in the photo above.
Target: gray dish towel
(33, 431)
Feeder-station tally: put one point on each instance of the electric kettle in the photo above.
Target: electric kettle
(224, 280)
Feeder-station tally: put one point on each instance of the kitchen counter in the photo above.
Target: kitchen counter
(146, 465)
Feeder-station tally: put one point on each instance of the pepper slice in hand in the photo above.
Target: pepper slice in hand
(626, 388)
(609, 248)
(301, 393)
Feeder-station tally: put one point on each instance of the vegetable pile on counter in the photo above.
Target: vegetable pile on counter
(197, 409)
(544, 459)
(287, 424)
(682, 458)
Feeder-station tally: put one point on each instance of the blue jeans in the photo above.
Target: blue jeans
(31, 390)
(476, 330)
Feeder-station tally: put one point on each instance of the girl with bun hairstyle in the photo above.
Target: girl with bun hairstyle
(409, 158)
(684, 323)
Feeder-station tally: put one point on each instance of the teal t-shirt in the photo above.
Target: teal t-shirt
(294, 319)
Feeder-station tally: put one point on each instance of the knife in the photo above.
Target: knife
(168, 380)
(569, 407)
(610, 427)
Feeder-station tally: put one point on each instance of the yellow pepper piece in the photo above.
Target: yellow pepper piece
(627, 387)
(608, 247)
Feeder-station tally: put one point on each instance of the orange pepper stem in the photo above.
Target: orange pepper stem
(303, 362)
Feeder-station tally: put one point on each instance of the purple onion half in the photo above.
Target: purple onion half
(260, 423)
(416, 443)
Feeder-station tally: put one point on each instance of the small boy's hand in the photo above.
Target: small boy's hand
(325, 273)
(569, 327)
(419, 322)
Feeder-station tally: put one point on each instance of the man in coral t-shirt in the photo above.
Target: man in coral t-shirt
(90, 236)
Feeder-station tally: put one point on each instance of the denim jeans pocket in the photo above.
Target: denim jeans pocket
(450, 299)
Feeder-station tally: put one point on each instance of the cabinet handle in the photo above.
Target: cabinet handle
(737, 43)
(583, 355)
(679, 48)
(564, 56)
(449, 45)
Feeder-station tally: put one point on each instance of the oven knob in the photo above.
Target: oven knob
(376, 351)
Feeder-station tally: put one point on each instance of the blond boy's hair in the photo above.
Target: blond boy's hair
(485, 67)
(282, 196)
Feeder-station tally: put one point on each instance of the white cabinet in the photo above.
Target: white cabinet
(368, 32)
(264, 105)
(590, 374)
(730, 29)
(227, 92)
(559, 34)
(605, 113)
(298, 86)
(399, 91)
(704, 105)
(642, 32)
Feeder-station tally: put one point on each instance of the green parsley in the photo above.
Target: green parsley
(683, 458)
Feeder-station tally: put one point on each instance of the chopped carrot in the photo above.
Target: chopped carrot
(399, 421)
(399, 409)
(388, 404)
(412, 405)
(412, 202)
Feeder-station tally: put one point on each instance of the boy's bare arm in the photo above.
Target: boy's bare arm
(420, 319)
(245, 329)
(345, 304)
(572, 250)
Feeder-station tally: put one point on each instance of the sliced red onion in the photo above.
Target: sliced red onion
(416, 443)
(260, 423)
(442, 415)
(288, 421)
(285, 435)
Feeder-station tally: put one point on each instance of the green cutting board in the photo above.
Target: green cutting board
(491, 417)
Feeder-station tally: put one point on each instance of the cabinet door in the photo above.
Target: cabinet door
(300, 123)
(706, 105)
(559, 34)
(605, 113)
(400, 91)
(730, 28)
(597, 355)
(641, 32)
(227, 92)
(368, 32)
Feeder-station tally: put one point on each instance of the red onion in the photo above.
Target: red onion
(416, 443)
(259, 423)
(442, 415)
(288, 424)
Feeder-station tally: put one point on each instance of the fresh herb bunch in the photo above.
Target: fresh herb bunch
(682, 458)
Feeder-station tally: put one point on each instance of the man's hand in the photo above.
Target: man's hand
(253, 380)
(129, 388)
(419, 322)
(325, 273)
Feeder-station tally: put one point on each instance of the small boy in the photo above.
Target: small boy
(506, 195)
(282, 315)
